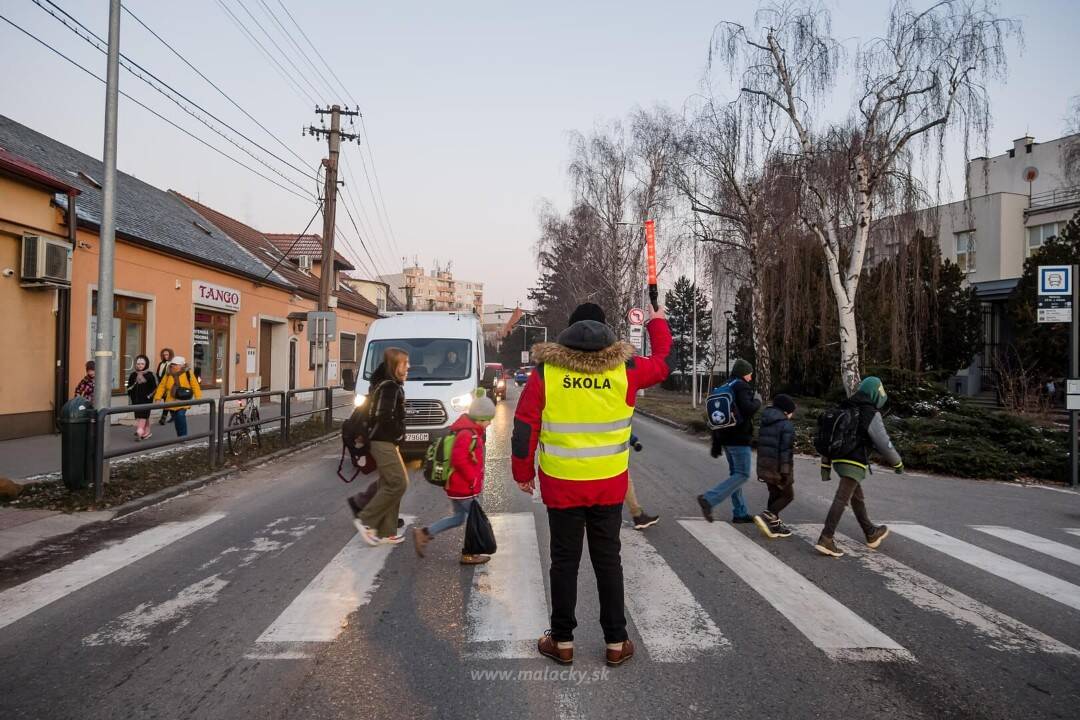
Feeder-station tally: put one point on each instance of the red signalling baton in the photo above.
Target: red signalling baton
(650, 250)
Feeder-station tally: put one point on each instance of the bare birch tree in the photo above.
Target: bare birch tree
(925, 79)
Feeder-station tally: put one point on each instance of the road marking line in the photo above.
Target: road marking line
(825, 621)
(1029, 578)
(1072, 531)
(926, 593)
(319, 613)
(21, 600)
(507, 604)
(135, 626)
(1032, 542)
(673, 626)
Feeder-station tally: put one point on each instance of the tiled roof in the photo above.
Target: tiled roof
(295, 246)
(16, 165)
(258, 244)
(144, 213)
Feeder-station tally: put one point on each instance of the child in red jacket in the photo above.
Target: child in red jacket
(466, 479)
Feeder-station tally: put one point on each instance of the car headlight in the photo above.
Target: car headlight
(359, 400)
(502, 383)
(461, 402)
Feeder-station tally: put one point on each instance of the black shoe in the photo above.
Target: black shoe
(645, 520)
(765, 522)
(706, 508)
(400, 523)
(354, 507)
(827, 546)
(780, 529)
(875, 536)
(742, 519)
(161, 420)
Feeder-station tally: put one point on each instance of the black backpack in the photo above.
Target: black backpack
(354, 435)
(837, 433)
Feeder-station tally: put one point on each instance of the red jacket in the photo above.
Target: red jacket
(467, 478)
(641, 372)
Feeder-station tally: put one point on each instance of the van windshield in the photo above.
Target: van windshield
(429, 358)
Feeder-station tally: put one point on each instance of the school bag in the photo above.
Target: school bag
(721, 412)
(354, 434)
(437, 468)
(837, 433)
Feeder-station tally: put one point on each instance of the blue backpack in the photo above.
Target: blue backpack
(720, 409)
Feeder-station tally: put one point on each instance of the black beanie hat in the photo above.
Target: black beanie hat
(587, 311)
(784, 402)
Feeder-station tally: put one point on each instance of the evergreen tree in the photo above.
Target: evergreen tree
(680, 301)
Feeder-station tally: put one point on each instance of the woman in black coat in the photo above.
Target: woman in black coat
(141, 385)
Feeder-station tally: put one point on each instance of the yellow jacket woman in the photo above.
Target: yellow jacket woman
(178, 384)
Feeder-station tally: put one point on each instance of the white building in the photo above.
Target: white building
(414, 289)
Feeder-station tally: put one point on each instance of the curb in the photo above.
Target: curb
(169, 493)
(662, 420)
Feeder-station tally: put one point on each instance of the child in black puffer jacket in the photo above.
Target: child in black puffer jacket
(775, 464)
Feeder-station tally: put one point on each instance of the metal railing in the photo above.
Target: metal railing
(1060, 196)
(327, 410)
(224, 428)
(103, 455)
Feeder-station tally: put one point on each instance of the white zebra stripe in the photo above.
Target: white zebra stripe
(1033, 542)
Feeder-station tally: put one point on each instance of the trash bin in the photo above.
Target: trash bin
(77, 443)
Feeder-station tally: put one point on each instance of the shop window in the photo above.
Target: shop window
(129, 336)
(210, 349)
(965, 251)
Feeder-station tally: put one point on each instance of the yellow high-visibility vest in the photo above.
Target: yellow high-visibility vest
(585, 426)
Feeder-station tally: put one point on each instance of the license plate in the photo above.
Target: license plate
(417, 437)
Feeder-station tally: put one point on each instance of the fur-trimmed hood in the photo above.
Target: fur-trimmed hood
(574, 349)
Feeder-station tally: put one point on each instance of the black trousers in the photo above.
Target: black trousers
(780, 496)
(849, 492)
(600, 524)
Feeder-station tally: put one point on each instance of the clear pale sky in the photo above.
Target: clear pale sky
(468, 105)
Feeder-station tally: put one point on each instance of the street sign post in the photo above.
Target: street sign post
(636, 316)
(637, 337)
(1058, 302)
(1055, 300)
(524, 357)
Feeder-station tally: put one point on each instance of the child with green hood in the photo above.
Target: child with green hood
(852, 469)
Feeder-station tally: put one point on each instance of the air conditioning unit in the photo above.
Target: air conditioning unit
(45, 261)
(304, 261)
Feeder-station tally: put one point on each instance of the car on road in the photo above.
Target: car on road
(523, 373)
(495, 381)
(446, 358)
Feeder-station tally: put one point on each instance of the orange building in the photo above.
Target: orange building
(186, 277)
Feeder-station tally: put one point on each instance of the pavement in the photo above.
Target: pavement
(28, 459)
(253, 598)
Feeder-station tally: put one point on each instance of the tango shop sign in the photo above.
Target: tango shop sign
(215, 296)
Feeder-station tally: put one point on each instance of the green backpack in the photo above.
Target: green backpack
(437, 468)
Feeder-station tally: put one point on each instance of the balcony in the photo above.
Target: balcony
(1054, 198)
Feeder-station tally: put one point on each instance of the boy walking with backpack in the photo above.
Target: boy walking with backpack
(775, 464)
(845, 437)
(464, 477)
(733, 439)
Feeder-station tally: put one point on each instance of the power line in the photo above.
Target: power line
(296, 46)
(272, 40)
(303, 232)
(358, 205)
(319, 54)
(213, 84)
(151, 110)
(90, 38)
(375, 172)
(360, 237)
(281, 70)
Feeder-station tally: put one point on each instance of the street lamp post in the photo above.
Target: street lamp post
(693, 338)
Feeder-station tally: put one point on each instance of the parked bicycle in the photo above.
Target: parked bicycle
(244, 439)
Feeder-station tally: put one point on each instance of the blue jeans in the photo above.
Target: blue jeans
(739, 459)
(461, 512)
(180, 422)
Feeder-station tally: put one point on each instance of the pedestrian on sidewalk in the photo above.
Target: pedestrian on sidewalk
(162, 370)
(574, 415)
(377, 519)
(179, 384)
(85, 388)
(641, 518)
(141, 386)
(776, 464)
(853, 466)
(466, 480)
(734, 442)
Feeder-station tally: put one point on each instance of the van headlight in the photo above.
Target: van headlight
(461, 402)
(359, 400)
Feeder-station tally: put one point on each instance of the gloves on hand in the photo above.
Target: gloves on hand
(717, 448)
(899, 469)
(826, 474)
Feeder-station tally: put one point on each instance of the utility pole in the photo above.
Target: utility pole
(327, 273)
(103, 347)
(693, 340)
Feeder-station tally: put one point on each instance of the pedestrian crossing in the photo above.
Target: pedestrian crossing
(505, 603)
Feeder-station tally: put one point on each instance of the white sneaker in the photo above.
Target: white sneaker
(392, 540)
(366, 534)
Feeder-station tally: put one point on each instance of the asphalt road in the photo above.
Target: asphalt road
(251, 598)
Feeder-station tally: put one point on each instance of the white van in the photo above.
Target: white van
(446, 358)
